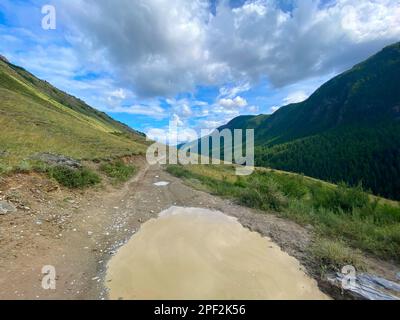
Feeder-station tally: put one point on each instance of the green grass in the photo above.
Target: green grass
(118, 170)
(341, 213)
(73, 178)
(35, 118)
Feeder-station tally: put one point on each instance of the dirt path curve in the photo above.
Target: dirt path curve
(103, 222)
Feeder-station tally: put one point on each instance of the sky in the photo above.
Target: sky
(198, 63)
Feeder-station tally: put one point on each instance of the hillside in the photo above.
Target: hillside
(348, 130)
(36, 117)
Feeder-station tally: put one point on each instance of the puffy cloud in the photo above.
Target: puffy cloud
(232, 91)
(156, 46)
(235, 103)
(274, 109)
(259, 39)
(295, 97)
(153, 111)
(164, 47)
(168, 135)
(181, 107)
(118, 94)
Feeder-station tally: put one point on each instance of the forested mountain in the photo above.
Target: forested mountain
(348, 130)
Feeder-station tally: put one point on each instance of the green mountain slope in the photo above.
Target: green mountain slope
(37, 117)
(348, 130)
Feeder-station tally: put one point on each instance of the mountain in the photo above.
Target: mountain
(36, 117)
(348, 130)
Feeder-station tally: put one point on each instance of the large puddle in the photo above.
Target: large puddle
(190, 253)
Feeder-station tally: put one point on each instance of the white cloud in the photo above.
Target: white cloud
(253, 109)
(139, 51)
(232, 91)
(168, 136)
(211, 124)
(164, 47)
(237, 102)
(154, 111)
(274, 109)
(176, 120)
(295, 97)
(181, 107)
(119, 94)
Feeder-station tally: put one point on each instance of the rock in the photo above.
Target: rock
(398, 275)
(6, 207)
(57, 160)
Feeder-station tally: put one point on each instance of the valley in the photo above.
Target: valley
(348, 130)
(77, 194)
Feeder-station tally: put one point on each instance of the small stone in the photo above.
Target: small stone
(6, 207)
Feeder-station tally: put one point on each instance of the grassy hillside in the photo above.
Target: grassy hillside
(348, 130)
(36, 117)
(341, 216)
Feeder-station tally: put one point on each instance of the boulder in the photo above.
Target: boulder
(57, 160)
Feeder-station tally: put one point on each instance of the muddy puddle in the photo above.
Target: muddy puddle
(190, 253)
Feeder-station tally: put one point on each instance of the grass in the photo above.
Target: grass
(347, 216)
(73, 178)
(118, 170)
(37, 118)
(334, 255)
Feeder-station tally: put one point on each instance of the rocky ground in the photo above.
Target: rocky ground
(78, 231)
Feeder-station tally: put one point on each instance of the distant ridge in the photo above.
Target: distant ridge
(348, 130)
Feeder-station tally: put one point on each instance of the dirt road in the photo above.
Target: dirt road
(87, 229)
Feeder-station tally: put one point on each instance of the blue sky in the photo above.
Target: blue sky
(199, 63)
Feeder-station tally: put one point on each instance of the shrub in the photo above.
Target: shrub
(240, 182)
(118, 170)
(23, 167)
(4, 169)
(263, 194)
(293, 187)
(73, 178)
(343, 198)
(178, 171)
